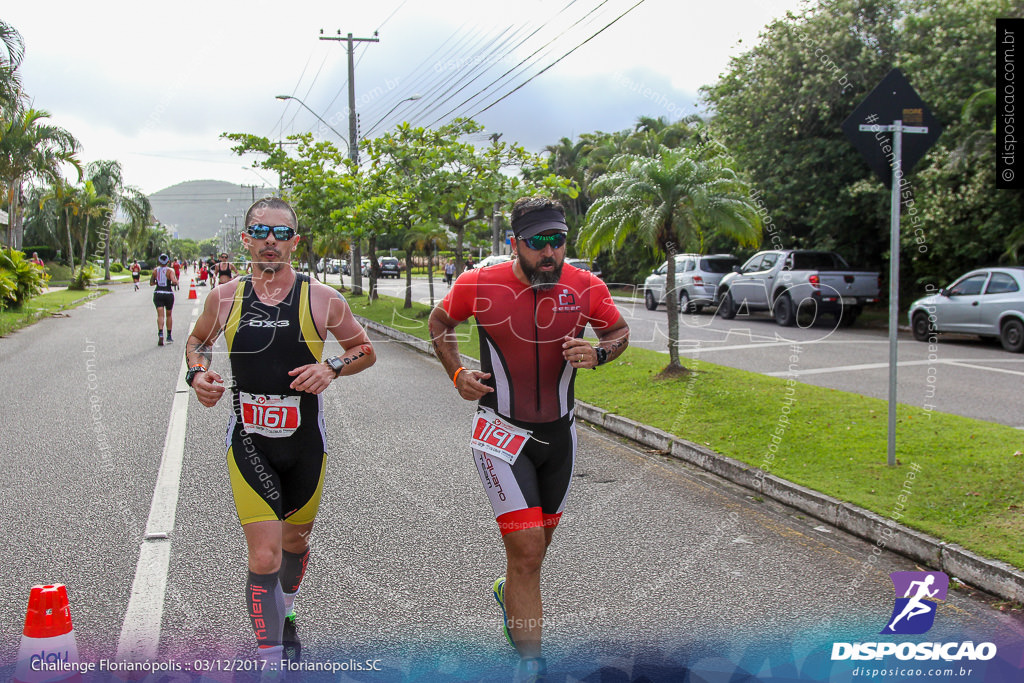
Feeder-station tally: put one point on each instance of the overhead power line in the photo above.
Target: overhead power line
(591, 37)
(524, 60)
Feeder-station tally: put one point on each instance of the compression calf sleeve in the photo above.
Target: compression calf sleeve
(266, 608)
(293, 568)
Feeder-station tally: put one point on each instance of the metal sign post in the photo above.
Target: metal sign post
(897, 129)
(893, 99)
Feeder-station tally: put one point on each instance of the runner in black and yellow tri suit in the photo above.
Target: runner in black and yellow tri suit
(276, 442)
(224, 269)
(275, 322)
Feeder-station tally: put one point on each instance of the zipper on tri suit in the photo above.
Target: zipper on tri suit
(536, 349)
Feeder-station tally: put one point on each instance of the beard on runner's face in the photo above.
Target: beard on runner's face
(541, 279)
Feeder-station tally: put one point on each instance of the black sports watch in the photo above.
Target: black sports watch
(192, 372)
(335, 364)
(602, 355)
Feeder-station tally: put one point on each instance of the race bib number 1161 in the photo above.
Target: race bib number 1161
(273, 416)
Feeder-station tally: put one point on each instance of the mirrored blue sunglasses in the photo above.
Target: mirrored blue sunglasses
(281, 232)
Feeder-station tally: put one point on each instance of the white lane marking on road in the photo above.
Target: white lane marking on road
(850, 368)
(140, 633)
(880, 366)
(961, 364)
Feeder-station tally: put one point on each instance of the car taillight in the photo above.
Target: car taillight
(814, 280)
(698, 280)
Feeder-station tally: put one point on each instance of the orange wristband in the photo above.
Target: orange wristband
(455, 377)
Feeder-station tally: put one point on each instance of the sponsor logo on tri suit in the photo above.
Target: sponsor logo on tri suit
(486, 464)
(567, 302)
(257, 465)
(265, 323)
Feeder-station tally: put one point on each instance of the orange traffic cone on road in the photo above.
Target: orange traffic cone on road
(48, 651)
(192, 293)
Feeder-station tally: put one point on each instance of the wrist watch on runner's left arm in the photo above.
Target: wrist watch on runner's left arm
(602, 355)
(335, 364)
(192, 372)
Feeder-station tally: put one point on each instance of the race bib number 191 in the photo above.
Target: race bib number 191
(273, 416)
(496, 437)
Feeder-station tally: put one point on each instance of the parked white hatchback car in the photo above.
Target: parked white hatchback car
(697, 279)
(988, 302)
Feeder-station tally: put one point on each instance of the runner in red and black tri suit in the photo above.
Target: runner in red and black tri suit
(530, 314)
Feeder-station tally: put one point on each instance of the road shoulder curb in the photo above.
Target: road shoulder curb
(992, 576)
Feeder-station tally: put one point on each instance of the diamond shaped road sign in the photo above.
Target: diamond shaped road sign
(892, 99)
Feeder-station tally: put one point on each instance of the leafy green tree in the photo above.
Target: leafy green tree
(779, 109)
(671, 202)
(780, 105)
(957, 219)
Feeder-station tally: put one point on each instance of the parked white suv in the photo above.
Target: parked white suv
(697, 278)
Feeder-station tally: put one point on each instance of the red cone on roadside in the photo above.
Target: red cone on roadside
(192, 293)
(48, 650)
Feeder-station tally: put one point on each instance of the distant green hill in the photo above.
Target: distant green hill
(196, 209)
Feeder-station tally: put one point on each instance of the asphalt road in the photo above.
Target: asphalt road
(656, 566)
(960, 375)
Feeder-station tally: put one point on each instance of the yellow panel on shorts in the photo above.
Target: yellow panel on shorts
(307, 512)
(249, 505)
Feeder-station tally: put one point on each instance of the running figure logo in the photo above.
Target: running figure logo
(914, 612)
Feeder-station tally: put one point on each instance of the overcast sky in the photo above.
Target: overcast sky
(155, 84)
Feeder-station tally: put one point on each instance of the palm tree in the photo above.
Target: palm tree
(108, 179)
(30, 147)
(672, 201)
(87, 205)
(426, 241)
(10, 59)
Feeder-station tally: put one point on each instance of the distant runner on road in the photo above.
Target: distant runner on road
(136, 271)
(530, 314)
(163, 298)
(275, 322)
(225, 270)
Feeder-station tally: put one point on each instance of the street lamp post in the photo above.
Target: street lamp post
(291, 97)
(411, 98)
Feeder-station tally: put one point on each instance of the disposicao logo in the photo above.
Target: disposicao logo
(914, 614)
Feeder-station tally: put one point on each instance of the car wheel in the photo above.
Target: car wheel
(649, 300)
(727, 309)
(847, 316)
(1011, 335)
(920, 327)
(784, 313)
(684, 303)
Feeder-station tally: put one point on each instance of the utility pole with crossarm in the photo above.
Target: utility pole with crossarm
(353, 150)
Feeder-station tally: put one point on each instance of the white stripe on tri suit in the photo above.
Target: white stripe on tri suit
(563, 389)
(501, 383)
(572, 429)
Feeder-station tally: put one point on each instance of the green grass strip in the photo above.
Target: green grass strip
(967, 489)
(42, 306)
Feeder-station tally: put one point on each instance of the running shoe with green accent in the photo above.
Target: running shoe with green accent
(290, 639)
(499, 595)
